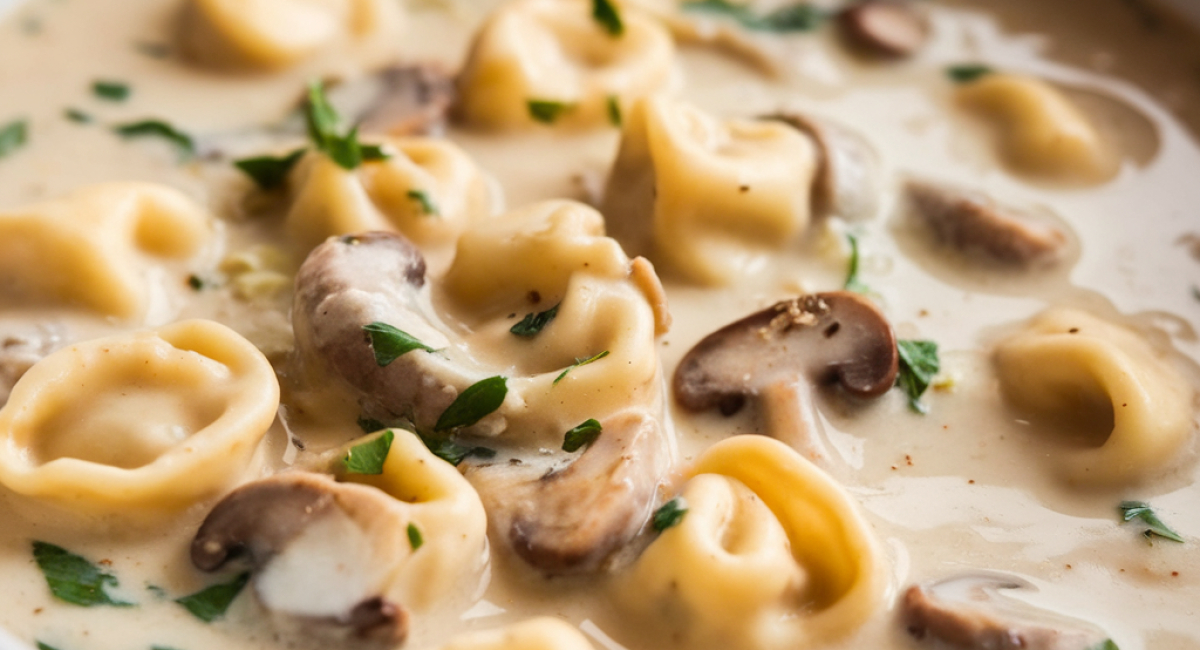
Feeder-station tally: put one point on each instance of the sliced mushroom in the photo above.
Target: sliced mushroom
(409, 100)
(18, 353)
(978, 226)
(847, 183)
(968, 612)
(321, 552)
(575, 519)
(821, 339)
(886, 28)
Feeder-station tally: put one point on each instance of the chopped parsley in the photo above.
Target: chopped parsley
(1131, 510)
(390, 343)
(799, 17)
(534, 322)
(368, 457)
(613, 105)
(471, 405)
(605, 13)
(269, 172)
(113, 91)
(153, 50)
(584, 434)
(370, 425)
(918, 364)
(670, 514)
(44, 646)
(1107, 644)
(77, 116)
(210, 603)
(415, 540)
(158, 129)
(196, 282)
(422, 198)
(966, 73)
(74, 579)
(452, 452)
(322, 122)
(852, 281)
(13, 136)
(580, 362)
(547, 111)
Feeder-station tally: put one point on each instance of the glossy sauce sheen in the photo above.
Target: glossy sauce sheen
(966, 487)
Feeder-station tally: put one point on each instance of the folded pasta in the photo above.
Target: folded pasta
(535, 634)
(153, 420)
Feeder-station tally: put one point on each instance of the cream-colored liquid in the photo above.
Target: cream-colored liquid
(968, 486)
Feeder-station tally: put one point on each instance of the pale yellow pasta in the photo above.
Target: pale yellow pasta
(703, 197)
(535, 634)
(772, 553)
(555, 51)
(429, 190)
(275, 33)
(1076, 372)
(1039, 130)
(152, 420)
(107, 243)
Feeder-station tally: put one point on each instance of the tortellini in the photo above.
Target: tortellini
(101, 248)
(555, 51)
(276, 33)
(430, 190)
(535, 634)
(771, 553)
(1080, 373)
(702, 196)
(1039, 130)
(149, 420)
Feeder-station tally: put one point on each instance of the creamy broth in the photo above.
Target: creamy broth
(968, 486)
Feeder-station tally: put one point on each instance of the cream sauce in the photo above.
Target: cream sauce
(965, 487)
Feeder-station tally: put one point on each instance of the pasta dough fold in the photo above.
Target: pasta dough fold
(535, 634)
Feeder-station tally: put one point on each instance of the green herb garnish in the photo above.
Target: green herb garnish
(471, 405)
(852, 281)
(452, 452)
(918, 364)
(390, 343)
(966, 73)
(613, 104)
(322, 122)
(547, 111)
(196, 282)
(77, 116)
(269, 172)
(1107, 644)
(370, 425)
(368, 457)
(534, 322)
(579, 362)
(422, 198)
(584, 434)
(414, 537)
(605, 13)
(670, 514)
(800, 17)
(1131, 510)
(158, 129)
(114, 91)
(210, 603)
(13, 136)
(72, 578)
(153, 50)
(44, 646)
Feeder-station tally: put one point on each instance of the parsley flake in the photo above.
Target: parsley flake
(670, 514)
(210, 603)
(368, 457)
(1107, 644)
(158, 129)
(579, 362)
(72, 578)
(852, 281)
(13, 136)
(77, 116)
(613, 104)
(452, 452)
(584, 434)
(966, 73)
(547, 111)
(113, 91)
(390, 343)
(415, 540)
(1131, 510)
(370, 425)
(918, 364)
(269, 172)
(534, 322)
(799, 17)
(422, 198)
(322, 122)
(471, 405)
(605, 13)
(44, 646)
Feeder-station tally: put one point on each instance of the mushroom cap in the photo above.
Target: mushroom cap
(827, 338)
(886, 28)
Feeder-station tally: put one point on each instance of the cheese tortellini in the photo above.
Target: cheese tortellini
(268, 34)
(150, 420)
(430, 190)
(102, 248)
(535, 634)
(1039, 130)
(1080, 374)
(555, 51)
(703, 196)
(771, 553)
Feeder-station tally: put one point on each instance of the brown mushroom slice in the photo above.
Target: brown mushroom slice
(409, 100)
(847, 183)
(19, 351)
(321, 552)
(977, 226)
(821, 339)
(970, 613)
(885, 28)
(574, 520)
